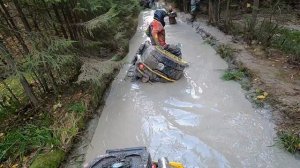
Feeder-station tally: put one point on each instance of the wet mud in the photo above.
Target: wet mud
(200, 120)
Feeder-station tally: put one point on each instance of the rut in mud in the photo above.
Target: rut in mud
(200, 120)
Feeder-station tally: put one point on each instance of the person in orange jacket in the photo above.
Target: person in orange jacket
(157, 33)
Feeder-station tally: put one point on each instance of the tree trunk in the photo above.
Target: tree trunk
(185, 5)
(51, 76)
(213, 11)
(210, 11)
(216, 11)
(10, 91)
(39, 84)
(42, 81)
(227, 14)
(22, 16)
(254, 18)
(2, 104)
(28, 90)
(67, 22)
(35, 23)
(50, 16)
(9, 59)
(5, 18)
(60, 21)
(17, 31)
(72, 21)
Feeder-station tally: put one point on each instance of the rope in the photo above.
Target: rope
(168, 54)
(159, 74)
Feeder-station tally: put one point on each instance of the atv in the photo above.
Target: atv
(155, 64)
(137, 157)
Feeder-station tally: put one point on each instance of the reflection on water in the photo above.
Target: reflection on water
(167, 140)
(193, 88)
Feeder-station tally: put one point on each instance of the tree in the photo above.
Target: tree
(255, 9)
(227, 14)
(12, 64)
(213, 11)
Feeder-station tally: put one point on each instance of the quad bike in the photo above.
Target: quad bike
(155, 64)
(137, 157)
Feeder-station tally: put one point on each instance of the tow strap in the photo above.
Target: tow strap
(159, 74)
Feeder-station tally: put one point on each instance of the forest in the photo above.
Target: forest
(41, 43)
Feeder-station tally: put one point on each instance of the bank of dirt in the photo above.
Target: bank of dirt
(269, 72)
(76, 107)
(98, 74)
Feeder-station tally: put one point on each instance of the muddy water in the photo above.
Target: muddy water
(199, 120)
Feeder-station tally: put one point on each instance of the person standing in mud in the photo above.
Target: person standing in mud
(194, 9)
(172, 15)
(157, 34)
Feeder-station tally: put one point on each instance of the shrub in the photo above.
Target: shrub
(233, 75)
(78, 107)
(225, 51)
(289, 141)
(289, 42)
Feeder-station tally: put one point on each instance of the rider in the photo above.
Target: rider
(158, 35)
(194, 9)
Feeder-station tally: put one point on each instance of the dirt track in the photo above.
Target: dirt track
(199, 120)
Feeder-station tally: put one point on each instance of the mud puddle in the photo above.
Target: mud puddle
(199, 120)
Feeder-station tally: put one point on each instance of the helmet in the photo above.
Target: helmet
(160, 15)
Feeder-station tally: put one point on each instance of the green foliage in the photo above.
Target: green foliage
(248, 28)
(49, 160)
(6, 99)
(265, 32)
(108, 23)
(289, 42)
(93, 7)
(114, 28)
(77, 107)
(20, 141)
(289, 141)
(225, 51)
(211, 41)
(102, 26)
(233, 75)
(56, 53)
(270, 34)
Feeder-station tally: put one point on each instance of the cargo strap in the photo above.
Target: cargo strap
(159, 74)
(172, 56)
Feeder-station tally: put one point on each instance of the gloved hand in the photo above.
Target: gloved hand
(166, 46)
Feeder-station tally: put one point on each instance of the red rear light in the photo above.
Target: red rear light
(141, 66)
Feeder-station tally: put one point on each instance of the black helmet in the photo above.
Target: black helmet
(160, 15)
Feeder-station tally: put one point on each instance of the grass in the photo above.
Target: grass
(21, 141)
(270, 34)
(211, 41)
(11, 105)
(225, 51)
(289, 141)
(51, 159)
(67, 128)
(233, 75)
(288, 41)
(77, 107)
